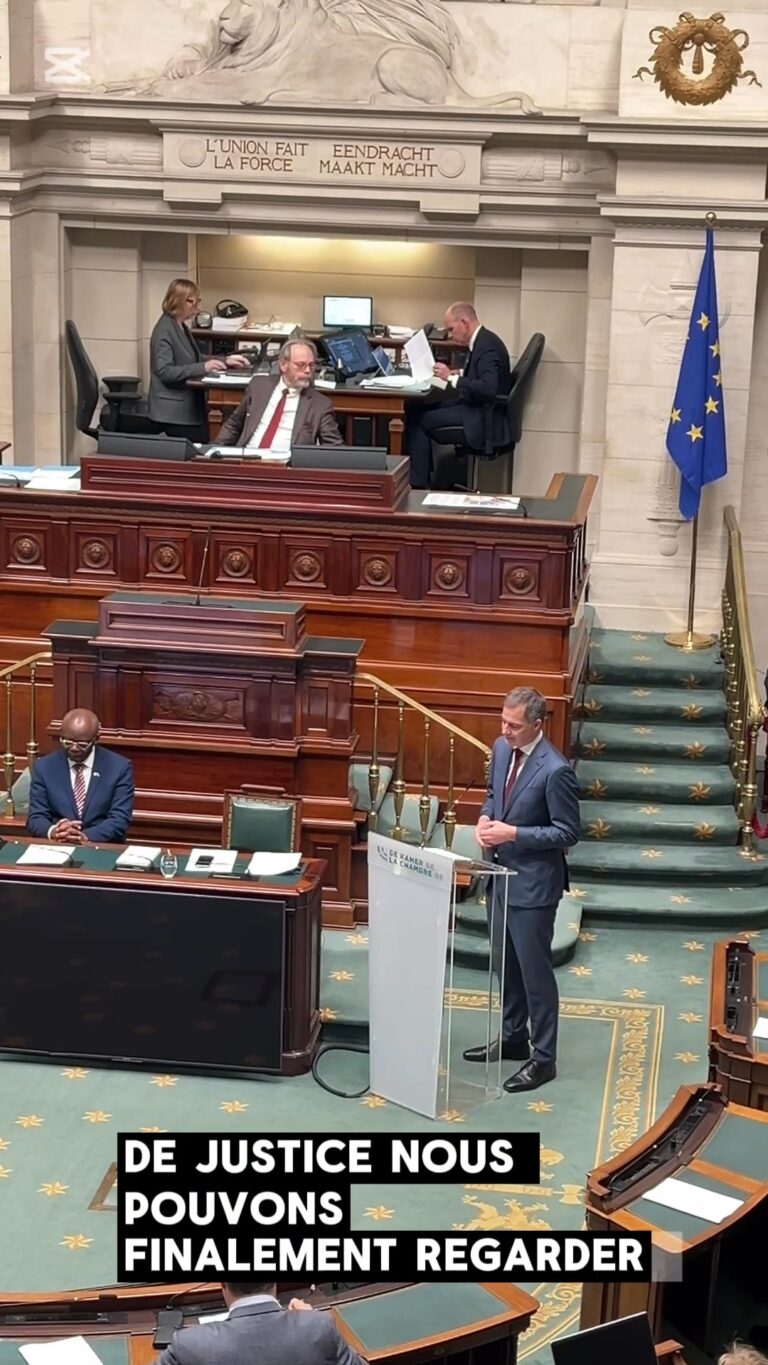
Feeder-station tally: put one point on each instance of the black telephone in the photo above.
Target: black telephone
(434, 333)
(230, 308)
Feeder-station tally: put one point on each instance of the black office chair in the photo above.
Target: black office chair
(514, 401)
(122, 400)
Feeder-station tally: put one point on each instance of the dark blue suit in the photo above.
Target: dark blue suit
(544, 806)
(108, 808)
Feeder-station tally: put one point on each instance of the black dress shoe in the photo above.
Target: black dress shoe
(511, 1052)
(531, 1076)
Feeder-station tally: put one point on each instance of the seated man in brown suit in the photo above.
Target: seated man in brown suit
(278, 412)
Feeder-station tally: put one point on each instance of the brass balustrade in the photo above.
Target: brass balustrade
(9, 675)
(746, 712)
(430, 721)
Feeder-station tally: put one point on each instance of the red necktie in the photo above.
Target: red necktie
(79, 787)
(514, 768)
(269, 435)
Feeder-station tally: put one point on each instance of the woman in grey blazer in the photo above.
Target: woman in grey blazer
(174, 357)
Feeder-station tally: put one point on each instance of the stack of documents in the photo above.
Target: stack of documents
(397, 382)
(212, 860)
(228, 324)
(239, 379)
(272, 864)
(499, 502)
(66, 1351)
(46, 855)
(136, 858)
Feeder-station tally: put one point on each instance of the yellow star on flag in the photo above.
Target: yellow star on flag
(695, 433)
(712, 405)
(718, 378)
(675, 415)
(703, 322)
(716, 348)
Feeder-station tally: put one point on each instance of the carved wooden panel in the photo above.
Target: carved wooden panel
(27, 547)
(96, 551)
(448, 571)
(519, 577)
(305, 562)
(375, 567)
(166, 556)
(235, 561)
(204, 705)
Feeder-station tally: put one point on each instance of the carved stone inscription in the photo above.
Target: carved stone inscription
(317, 159)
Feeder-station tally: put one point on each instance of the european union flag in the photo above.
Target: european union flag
(696, 432)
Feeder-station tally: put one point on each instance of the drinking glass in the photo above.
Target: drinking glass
(168, 864)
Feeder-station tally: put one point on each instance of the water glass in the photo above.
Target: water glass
(168, 864)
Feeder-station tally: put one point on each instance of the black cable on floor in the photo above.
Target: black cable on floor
(340, 1047)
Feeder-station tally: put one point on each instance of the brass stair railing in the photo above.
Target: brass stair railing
(746, 713)
(8, 676)
(430, 721)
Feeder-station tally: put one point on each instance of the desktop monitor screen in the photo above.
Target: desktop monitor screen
(141, 446)
(627, 1339)
(351, 354)
(347, 312)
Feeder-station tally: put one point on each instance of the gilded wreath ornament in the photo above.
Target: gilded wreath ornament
(673, 47)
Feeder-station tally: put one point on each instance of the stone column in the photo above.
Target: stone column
(592, 433)
(36, 333)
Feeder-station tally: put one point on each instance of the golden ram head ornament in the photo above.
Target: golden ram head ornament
(681, 49)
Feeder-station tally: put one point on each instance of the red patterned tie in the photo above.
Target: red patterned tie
(79, 787)
(274, 422)
(514, 768)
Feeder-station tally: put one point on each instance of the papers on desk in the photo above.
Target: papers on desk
(66, 1351)
(420, 356)
(325, 383)
(46, 855)
(399, 383)
(500, 502)
(51, 478)
(761, 1029)
(234, 379)
(228, 324)
(136, 858)
(681, 1195)
(212, 1317)
(272, 864)
(212, 860)
(248, 453)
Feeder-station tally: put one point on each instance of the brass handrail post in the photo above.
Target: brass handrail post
(32, 746)
(9, 760)
(746, 712)
(449, 819)
(398, 786)
(374, 772)
(424, 801)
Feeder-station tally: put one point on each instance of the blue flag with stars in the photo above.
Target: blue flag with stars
(696, 432)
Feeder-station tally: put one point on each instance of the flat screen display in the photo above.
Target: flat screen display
(351, 354)
(170, 979)
(348, 311)
(628, 1339)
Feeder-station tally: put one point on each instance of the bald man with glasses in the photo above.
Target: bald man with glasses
(82, 793)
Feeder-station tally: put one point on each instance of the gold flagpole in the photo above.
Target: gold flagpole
(690, 639)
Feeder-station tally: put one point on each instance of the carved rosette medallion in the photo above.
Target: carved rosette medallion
(518, 580)
(26, 550)
(236, 563)
(377, 572)
(94, 554)
(449, 576)
(165, 558)
(306, 567)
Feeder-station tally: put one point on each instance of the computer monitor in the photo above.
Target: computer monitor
(350, 354)
(141, 446)
(384, 360)
(628, 1339)
(347, 311)
(371, 458)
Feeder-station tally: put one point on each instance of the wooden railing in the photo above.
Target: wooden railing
(411, 711)
(746, 713)
(9, 677)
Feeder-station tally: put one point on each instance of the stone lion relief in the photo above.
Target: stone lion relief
(379, 52)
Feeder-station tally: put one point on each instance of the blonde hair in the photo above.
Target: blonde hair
(740, 1354)
(176, 295)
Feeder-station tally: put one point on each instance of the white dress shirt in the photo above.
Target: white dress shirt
(87, 775)
(282, 439)
(454, 378)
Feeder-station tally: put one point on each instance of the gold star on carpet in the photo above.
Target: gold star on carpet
(695, 750)
(705, 831)
(574, 926)
(711, 405)
(597, 788)
(76, 1243)
(688, 1017)
(692, 711)
(637, 957)
(674, 415)
(97, 1116)
(576, 893)
(374, 1102)
(680, 900)
(586, 937)
(327, 1015)
(643, 730)
(4, 1144)
(638, 636)
(29, 1121)
(645, 771)
(691, 681)
(693, 947)
(652, 853)
(342, 976)
(686, 1057)
(641, 658)
(632, 993)
(749, 933)
(379, 1213)
(356, 938)
(599, 829)
(641, 692)
(580, 971)
(164, 1082)
(233, 1106)
(649, 810)
(703, 322)
(594, 677)
(539, 1107)
(5, 1171)
(453, 1116)
(53, 1188)
(153, 1130)
(715, 349)
(74, 1073)
(692, 980)
(591, 707)
(699, 791)
(593, 746)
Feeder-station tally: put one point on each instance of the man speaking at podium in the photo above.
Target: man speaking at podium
(83, 793)
(279, 412)
(529, 818)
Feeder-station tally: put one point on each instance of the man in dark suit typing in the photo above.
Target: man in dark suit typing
(464, 412)
(259, 1332)
(83, 793)
(278, 412)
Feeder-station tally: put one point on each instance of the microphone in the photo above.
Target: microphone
(206, 548)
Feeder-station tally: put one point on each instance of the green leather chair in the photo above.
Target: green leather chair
(358, 778)
(255, 822)
(20, 792)
(410, 817)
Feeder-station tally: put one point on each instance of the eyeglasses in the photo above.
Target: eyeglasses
(303, 364)
(75, 743)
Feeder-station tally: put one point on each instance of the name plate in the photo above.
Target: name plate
(247, 156)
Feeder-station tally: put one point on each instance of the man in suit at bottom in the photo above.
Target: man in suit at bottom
(279, 412)
(528, 820)
(83, 793)
(259, 1332)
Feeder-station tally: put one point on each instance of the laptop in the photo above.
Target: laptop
(629, 1340)
(383, 360)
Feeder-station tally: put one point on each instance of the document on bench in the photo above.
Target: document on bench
(66, 1351)
(272, 864)
(248, 453)
(500, 501)
(212, 860)
(138, 858)
(46, 855)
(761, 1028)
(421, 360)
(681, 1195)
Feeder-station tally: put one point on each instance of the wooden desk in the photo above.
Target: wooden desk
(738, 1061)
(224, 343)
(230, 986)
(348, 402)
